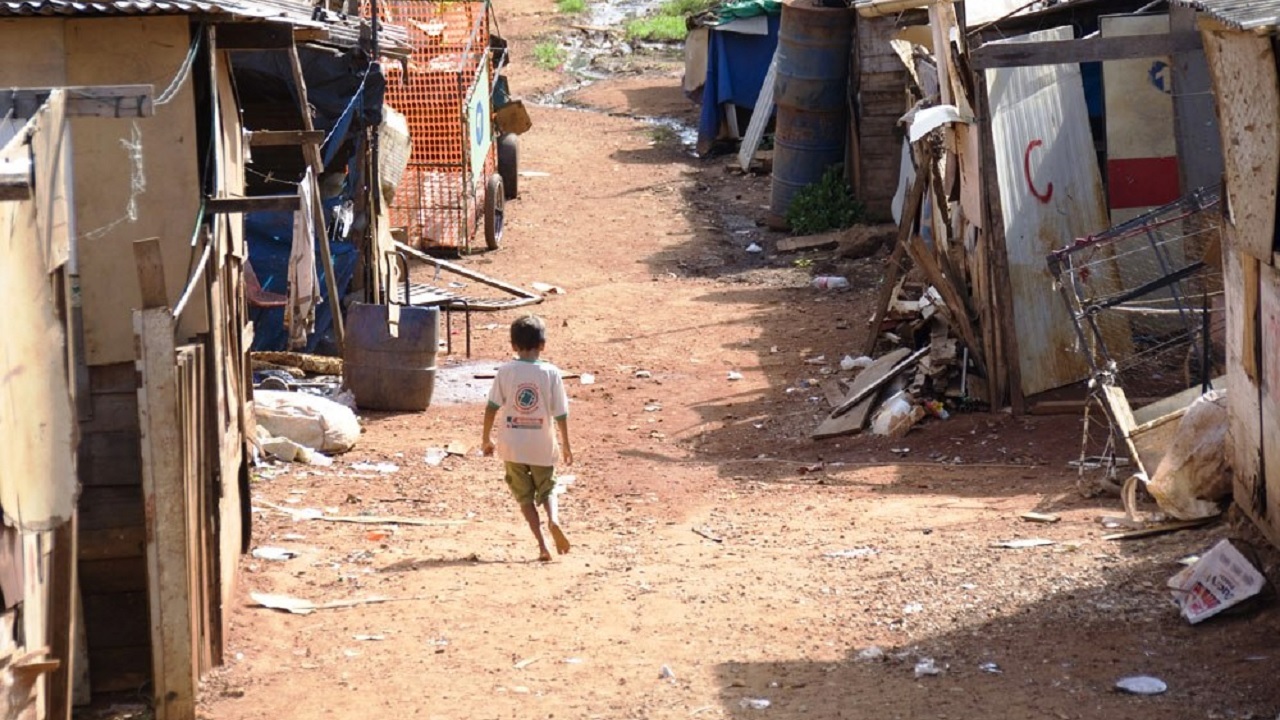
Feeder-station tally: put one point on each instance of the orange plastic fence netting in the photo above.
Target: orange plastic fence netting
(437, 201)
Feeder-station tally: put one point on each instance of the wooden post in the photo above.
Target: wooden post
(1005, 376)
(311, 150)
(910, 211)
(164, 498)
(1195, 121)
(63, 589)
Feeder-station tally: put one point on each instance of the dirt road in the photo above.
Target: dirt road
(717, 567)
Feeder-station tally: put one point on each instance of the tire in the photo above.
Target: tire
(509, 164)
(494, 202)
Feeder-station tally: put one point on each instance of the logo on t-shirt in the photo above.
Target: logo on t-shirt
(527, 398)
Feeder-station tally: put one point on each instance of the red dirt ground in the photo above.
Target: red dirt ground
(648, 243)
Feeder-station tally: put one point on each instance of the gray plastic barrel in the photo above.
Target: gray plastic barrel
(812, 97)
(391, 373)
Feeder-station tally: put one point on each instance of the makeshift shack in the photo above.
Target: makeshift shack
(1239, 43)
(140, 285)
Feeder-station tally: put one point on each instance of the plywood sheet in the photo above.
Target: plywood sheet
(1244, 431)
(37, 447)
(1050, 194)
(32, 53)
(110, 51)
(1243, 69)
(1141, 147)
(1269, 312)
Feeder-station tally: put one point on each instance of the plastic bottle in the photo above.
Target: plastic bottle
(830, 282)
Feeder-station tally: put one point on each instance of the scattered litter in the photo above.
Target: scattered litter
(526, 662)
(385, 467)
(1023, 543)
(290, 451)
(990, 667)
(1141, 685)
(435, 456)
(643, 374)
(870, 654)
(926, 667)
(1040, 517)
(750, 703)
(850, 554)
(819, 360)
(896, 416)
(534, 174)
(587, 379)
(572, 661)
(293, 536)
(369, 638)
(900, 451)
(274, 553)
(298, 606)
(708, 535)
(652, 407)
(547, 288)
(1220, 579)
(912, 609)
(754, 248)
(666, 674)
(457, 447)
(377, 535)
(734, 375)
(830, 282)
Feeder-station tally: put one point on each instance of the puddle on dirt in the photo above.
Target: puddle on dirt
(457, 384)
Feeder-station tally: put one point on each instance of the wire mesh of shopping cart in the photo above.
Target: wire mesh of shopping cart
(1145, 295)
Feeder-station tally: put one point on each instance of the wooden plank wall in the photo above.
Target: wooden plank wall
(113, 573)
(882, 81)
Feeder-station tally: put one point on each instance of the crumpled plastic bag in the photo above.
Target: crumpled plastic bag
(308, 420)
(1195, 473)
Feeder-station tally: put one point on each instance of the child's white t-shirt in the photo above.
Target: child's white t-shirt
(529, 396)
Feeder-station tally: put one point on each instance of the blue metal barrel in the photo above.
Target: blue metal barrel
(811, 93)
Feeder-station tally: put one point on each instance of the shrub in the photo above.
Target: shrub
(548, 55)
(660, 28)
(824, 205)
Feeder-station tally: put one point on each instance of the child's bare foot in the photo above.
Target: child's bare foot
(562, 542)
(544, 555)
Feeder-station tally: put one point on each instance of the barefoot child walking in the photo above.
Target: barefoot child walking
(526, 399)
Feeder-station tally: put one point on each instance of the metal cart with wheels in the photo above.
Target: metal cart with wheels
(451, 195)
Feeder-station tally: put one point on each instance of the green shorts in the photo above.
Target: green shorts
(530, 483)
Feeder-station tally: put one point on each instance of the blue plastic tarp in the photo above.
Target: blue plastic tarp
(270, 241)
(736, 66)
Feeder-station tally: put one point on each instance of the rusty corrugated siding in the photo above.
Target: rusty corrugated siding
(1239, 14)
(1050, 193)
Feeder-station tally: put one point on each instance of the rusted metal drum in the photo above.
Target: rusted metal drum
(388, 372)
(812, 96)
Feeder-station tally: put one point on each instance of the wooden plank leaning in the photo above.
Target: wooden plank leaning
(164, 496)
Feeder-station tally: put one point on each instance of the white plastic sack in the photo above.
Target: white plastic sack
(1194, 474)
(307, 420)
(896, 416)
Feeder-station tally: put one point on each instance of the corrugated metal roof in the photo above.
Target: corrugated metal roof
(342, 30)
(1241, 14)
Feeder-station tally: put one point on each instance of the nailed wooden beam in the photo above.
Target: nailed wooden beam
(254, 36)
(15, 181)
(275, 138)
(259, 203)
(113, 101)
(1083, 50)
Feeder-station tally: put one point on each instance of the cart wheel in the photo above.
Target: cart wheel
(509, 164)
(494, 201)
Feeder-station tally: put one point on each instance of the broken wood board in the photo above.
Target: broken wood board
(823, 241)
(1161, 529)
(833, 392)
(314, 364)
(760, 115)
(860, 399)
(1040, 517)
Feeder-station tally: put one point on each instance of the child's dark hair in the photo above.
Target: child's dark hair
(528, 333)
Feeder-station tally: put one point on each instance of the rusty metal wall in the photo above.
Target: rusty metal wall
(1050, 193)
